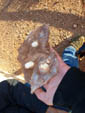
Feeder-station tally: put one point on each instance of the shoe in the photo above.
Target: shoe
(77, 42)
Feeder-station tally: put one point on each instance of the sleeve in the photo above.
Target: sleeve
(14, 93)
(71, 91)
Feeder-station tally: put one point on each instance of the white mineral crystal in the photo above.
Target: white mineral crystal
(29, 64)
(35, 44)
(44, 68)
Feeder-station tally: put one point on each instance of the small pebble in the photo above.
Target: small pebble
(75, 25)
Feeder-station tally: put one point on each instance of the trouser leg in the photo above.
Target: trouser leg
(13, 92)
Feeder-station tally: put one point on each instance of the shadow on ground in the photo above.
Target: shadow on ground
(59, 20)
(53, 18)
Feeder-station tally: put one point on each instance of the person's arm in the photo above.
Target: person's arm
(15, 96)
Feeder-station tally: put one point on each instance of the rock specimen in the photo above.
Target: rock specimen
(38, 62)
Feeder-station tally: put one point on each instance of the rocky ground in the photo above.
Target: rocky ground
(18, 17)
(66, 19)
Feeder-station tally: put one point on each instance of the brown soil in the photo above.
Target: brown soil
(17, 17)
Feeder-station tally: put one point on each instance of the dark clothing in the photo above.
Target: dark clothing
(71, 91)
(15, 97)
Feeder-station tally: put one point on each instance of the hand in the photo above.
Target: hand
(52, 85)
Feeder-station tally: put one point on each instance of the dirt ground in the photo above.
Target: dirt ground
(18, 17)
(66, 19)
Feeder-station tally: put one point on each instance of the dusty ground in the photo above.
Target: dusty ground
(17, 17)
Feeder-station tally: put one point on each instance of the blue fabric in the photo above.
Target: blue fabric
(27, 84)
(15, 97)
(69, 57)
